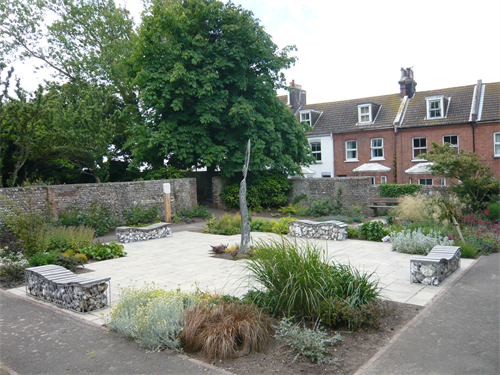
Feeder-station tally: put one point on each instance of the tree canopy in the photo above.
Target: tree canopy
(207, 74)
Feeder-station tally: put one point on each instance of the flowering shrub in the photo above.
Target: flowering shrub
(12, 265)
(415, 242)
(481, 232)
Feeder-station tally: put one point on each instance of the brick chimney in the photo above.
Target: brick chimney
(407, 83)
(297, 97)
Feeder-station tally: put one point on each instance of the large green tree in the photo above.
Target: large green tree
(474, 183)
(207, 74)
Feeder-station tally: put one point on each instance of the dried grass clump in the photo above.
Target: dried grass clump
(225, 330)
(412, 208)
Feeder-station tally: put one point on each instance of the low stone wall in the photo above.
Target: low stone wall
(151, 232)
(324, 230)
(118, 195)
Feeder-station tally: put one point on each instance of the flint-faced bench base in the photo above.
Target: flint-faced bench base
(434, 268)
(325, 230)
(151, 232)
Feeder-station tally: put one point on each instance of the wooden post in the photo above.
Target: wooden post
(166, 199)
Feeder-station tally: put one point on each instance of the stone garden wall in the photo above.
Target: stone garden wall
(117, 194)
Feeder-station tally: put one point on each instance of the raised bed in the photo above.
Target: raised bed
(151, 232)
(325, 230)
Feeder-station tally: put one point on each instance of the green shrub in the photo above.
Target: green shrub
(226, 225)
(281, 226)
(373, 231)
(322, 207)
(310, 343)
(299, 198)
(12, 265)
(298, 276)
(416, 242)
(268, 190)
(62, 239)
(102, 251)
(153, 317)
(260, 225)
(99, 217)
(336, 312)
(494, 211)
(43, 259)
(198, 211)
(137, 214)
(352, 232)
(295, 209)
(468, 251)
(398, 190)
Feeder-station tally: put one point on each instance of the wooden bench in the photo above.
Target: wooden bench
(434, 268)
(57, 285)
(383, 203)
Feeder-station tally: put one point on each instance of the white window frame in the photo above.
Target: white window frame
(350, 149)
(383, 179)
(411, 180)
(316, 153)
(442, 181)
(418, 148)
(453, 145)
(496, 144)
(373, 149)
(362, 114)
(303, 116)
(326, 175)
(426, 179)
(431, 111)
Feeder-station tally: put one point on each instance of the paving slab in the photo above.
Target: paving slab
(184, 260)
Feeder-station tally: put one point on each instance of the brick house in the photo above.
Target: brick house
(381, 136)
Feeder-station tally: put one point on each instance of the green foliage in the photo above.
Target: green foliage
(299, 198)
(164, 173)
(281, 226)
(137, 214)
(416, 242)
(98, 216)
(335, 312)
(211, 102)
(373, 231)
(494, 211)
(267, 190)
(477, 186)
(153, 317)
(298, 276)
(327, 206)
(12, 265)
(103, 251)
(61, 239)
(295, 209)
(260, 225)
(468, 250)
(198, 211)
(226, 225)
(353, 232)
(310, 343)
(398, 190)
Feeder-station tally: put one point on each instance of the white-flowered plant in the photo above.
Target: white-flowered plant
(12, 265)
(415, 242)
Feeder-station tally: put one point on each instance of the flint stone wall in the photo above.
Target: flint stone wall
(118, 195)
(151, 232)
(325, 230)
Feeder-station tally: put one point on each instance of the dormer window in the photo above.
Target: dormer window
(367, 113)
(436, 107)
(305, 117)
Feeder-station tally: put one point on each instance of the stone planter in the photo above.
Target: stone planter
(325, 230)
(151, 232)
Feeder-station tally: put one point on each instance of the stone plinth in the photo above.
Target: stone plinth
(151, 232)
(325, 230)
(434, 268)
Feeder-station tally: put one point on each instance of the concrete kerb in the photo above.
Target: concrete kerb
(417, 318)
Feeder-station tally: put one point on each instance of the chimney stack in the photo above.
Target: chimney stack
(297, 97)
(407, 83)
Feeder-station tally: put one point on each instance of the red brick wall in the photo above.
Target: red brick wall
(484, 145)
(364, 153)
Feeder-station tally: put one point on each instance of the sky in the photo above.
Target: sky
(350, 49)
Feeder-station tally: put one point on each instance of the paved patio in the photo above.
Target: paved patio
(184, 261)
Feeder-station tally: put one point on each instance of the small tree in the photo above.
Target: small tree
(477, 185)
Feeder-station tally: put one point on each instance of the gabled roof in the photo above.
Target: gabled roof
(342, 117)
(457, 111)
(421, 168)
(491, 102)
(283, 99)
(371, 167)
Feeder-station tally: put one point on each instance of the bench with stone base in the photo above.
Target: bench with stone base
(434, 268)
(383, 203)
(57, 285)
(151, 232)
(325, 230)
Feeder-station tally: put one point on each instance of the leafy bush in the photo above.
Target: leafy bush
(153, 317)
(62, 239)
(373, 231)
(493, 211)
(310, 343)
(260, 225)
(468, 251)
(137, 214)
(281, 226)
(12, 265)
(299, 198)
(225, 330)
(267, 190)
(226, 225)
(322, 207)
(335, 312)
(416, 242)
(295, 209)
(198, 211)
(99, 217)
(398, 190)
(68, 262)
(352, 232)
(298, 276)
(102, 251)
